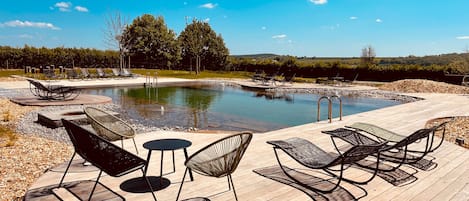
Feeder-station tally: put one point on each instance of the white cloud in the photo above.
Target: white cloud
(207, 19)
(81, 9)
(25, 36)
(379, 20)
(353, 18)
(279, 36)
(263, 28)
(18, 23)
(209, 5)
(318, 2)
(63, 6)
(462, 37)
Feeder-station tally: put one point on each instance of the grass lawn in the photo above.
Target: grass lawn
(192, 75)
(165, 73)
(10, 72)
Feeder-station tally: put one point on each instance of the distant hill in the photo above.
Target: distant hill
(254, 56)
(442, 59)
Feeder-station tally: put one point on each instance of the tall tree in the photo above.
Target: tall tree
(198, 41)
(368, 56)
(115, 26)
(150, 42)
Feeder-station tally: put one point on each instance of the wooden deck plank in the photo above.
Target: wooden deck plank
(446, 180)
(403, 119)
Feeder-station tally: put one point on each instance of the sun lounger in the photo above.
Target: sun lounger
(397, 146)
(311, 156)
(52, 92)
(100, 72)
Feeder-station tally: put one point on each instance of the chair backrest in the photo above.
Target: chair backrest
(101, 153)
(100, 72)
(85, 72)
(417, 135)
(221, 157)
(126, 72)
(72, 73)
(38, 85)
(357, 153)
(116, 72)
(108, 125)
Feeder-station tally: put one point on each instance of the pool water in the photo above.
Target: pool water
(220, 107)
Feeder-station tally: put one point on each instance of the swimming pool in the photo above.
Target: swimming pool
(222, 107)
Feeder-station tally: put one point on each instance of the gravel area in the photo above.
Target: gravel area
(39, 148)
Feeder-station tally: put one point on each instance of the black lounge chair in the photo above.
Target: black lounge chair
(270, 77)
(103, 154)
(100, 72)
(396, 149)
(309, 155)
(258, 76)
(85, 73)
(126, 73)
(116, 72)
(49, 73)
(218, 159)
(52, 92)
(288, 78)
(72, 73)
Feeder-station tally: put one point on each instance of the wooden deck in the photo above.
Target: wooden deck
(448, 181)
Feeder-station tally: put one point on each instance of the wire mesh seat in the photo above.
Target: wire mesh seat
(103, 154)
(309, 155)
(52, 92)
(219, 159)
(109, 126)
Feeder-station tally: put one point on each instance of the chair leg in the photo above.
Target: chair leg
(232, 185)
(66, 170)
(182, 182)
(95, 184)
(135, 144)
(149, 184)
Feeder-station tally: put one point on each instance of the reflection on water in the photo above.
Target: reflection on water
(222, 107)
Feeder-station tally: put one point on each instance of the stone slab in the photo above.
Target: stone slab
(53, 119)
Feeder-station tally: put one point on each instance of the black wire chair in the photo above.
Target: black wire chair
(52, 92)
(109, 126)
(219, 159)
(309, 155)
(103, 154)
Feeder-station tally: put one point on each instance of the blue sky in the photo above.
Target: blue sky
(322, 28)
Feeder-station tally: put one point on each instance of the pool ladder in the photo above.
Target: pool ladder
(151, 80)
(329, 108)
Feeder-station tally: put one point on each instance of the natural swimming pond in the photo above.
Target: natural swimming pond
(222, 107)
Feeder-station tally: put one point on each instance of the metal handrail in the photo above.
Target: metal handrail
(329, 112)
(329, 108)
(340, 105)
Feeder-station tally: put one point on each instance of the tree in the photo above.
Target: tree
(150, 42)
(199, 41)
(367, 57)
(115, 26)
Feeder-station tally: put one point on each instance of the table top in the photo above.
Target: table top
(167, 144)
